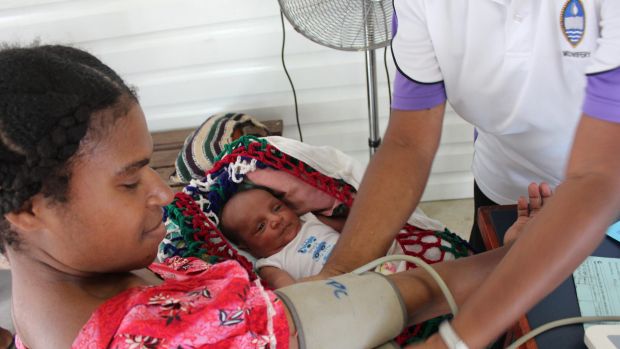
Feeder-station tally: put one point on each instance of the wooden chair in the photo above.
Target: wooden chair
(167, 145)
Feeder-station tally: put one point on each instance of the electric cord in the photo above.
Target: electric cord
(454, 308)
(301, 138)
(387, 72)
(387, 75)
(558, 323)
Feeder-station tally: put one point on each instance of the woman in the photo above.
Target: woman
(82, 218)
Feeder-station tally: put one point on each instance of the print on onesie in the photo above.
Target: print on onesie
(307, 245)
(320, 250)
(308, 252)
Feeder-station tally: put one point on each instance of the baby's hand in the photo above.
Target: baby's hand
(538, 195)
(275, 277)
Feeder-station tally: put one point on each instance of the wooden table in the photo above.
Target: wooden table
(492, 232)
(559, 304)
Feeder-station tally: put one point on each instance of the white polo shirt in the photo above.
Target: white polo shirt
(514, 69)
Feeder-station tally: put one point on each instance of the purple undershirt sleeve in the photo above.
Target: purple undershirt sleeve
(411, 95)
(603, 96)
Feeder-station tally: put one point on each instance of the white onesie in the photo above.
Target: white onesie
(307, 253)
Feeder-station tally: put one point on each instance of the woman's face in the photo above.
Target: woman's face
(112, 220)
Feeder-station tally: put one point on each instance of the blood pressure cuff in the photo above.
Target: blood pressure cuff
(348, 311)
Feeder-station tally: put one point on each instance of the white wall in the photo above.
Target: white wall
(192, 58)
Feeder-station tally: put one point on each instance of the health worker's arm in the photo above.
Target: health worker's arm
(566, 231)
(397, 174)
(391, 188)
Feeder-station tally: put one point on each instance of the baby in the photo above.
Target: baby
(287, 247)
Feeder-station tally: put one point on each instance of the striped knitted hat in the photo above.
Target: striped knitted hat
(207, 141)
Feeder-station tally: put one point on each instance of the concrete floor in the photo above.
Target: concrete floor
(457, 215)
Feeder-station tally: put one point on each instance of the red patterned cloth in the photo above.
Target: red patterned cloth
(199, 305)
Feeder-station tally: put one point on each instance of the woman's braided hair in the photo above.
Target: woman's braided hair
(47, 97)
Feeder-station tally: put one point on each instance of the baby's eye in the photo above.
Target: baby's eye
(277, 208)
(260, 227)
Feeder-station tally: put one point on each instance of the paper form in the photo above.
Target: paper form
(597, 281)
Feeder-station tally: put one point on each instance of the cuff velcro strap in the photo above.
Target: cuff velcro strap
(348, 311)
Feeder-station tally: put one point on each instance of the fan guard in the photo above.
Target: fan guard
(350, 25)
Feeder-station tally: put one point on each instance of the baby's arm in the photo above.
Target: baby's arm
(526, 209)
(275, 277)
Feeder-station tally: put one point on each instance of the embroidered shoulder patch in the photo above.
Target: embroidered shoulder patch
(573, 21)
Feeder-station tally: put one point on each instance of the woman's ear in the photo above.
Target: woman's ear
(28, 218)
(22, 220)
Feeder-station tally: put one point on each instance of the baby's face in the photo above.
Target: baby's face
(263, 224)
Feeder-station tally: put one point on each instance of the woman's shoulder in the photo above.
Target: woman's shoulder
(217, 301)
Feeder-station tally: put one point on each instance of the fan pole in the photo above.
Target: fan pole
(371, 89)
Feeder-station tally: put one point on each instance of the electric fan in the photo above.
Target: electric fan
(350, 25)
